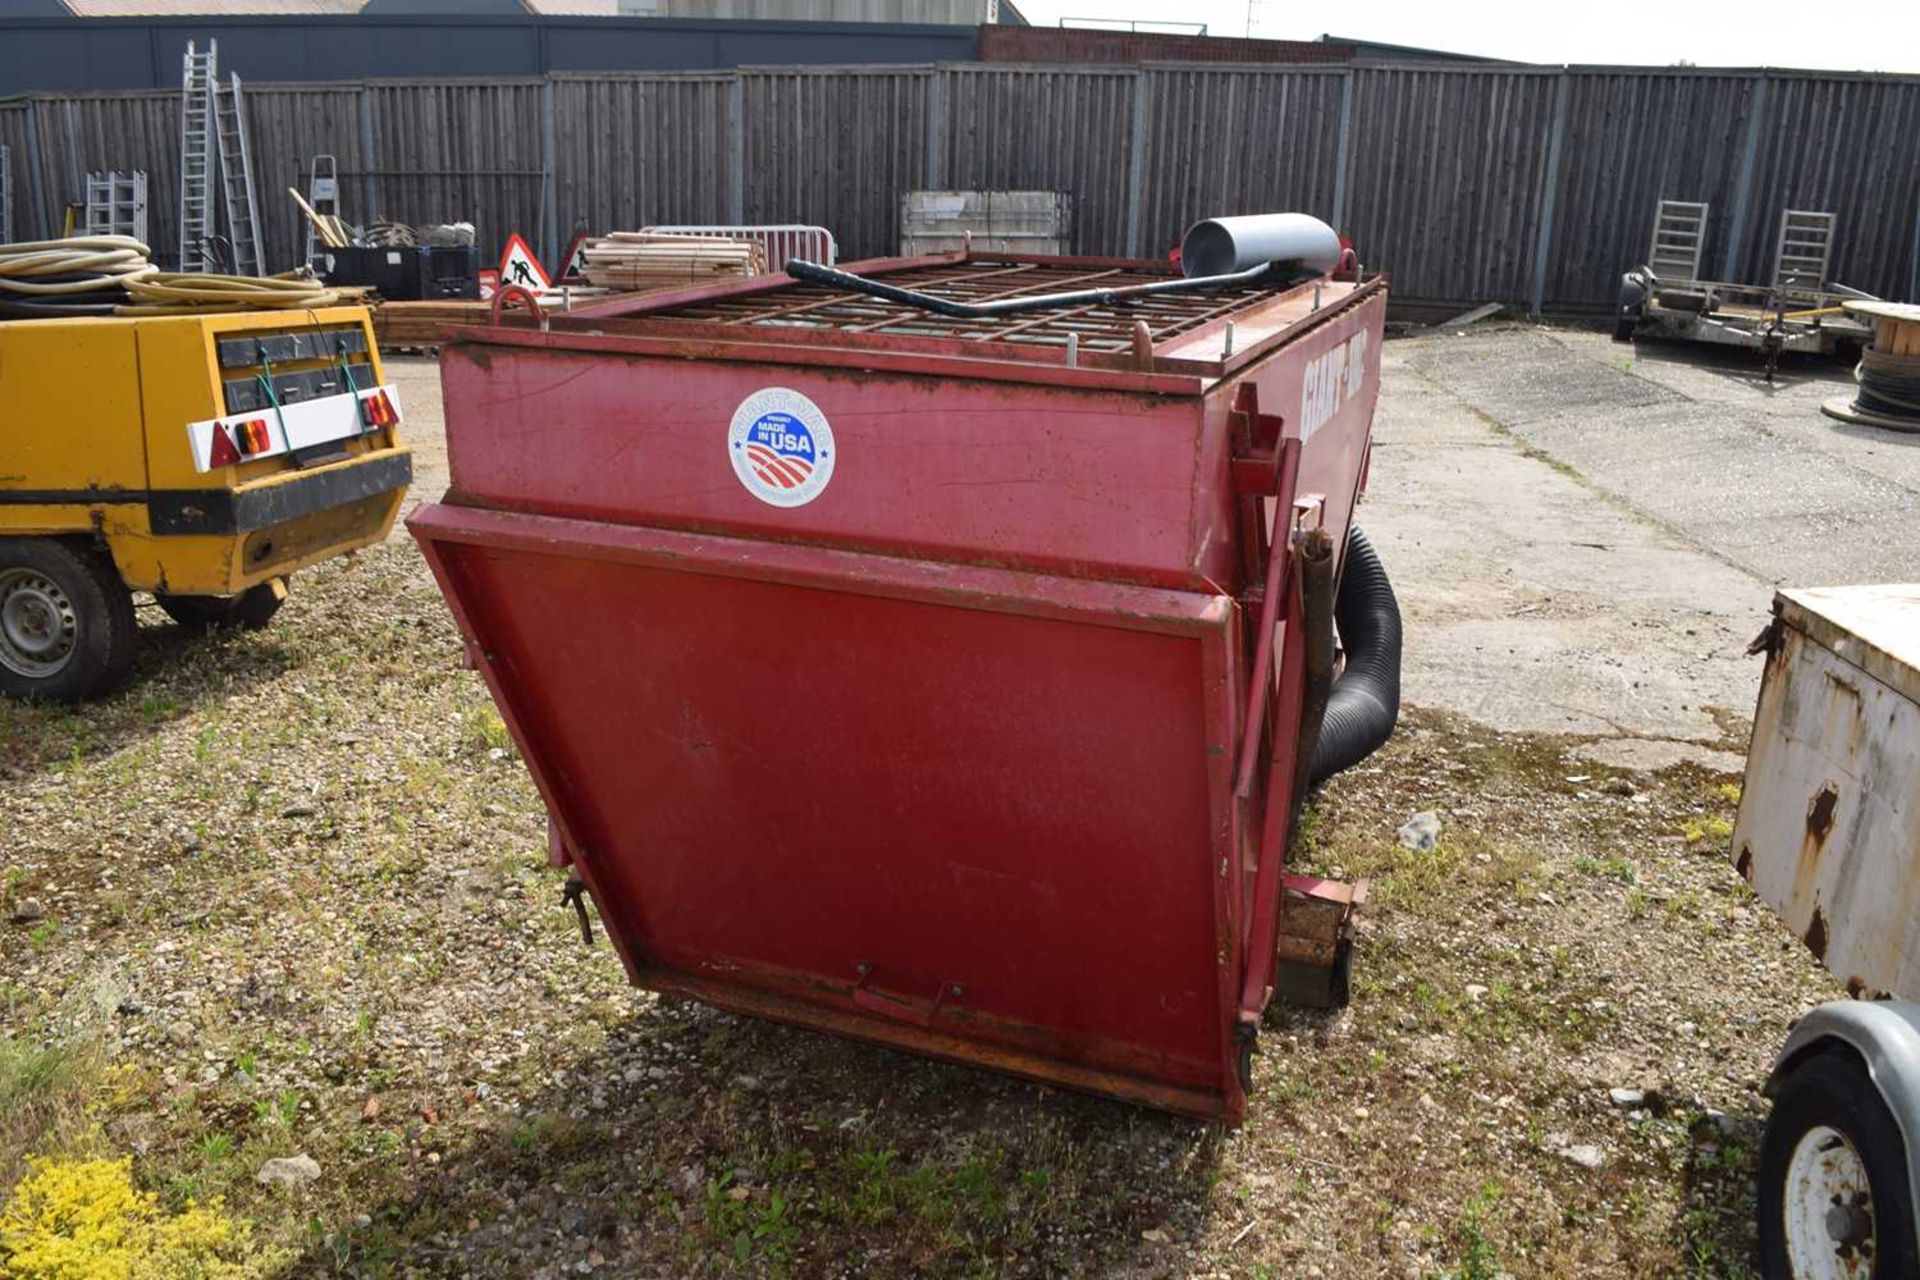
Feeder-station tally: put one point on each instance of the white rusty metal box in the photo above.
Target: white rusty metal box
(1829, 825)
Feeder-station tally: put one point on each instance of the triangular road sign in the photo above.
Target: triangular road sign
(519, 266)
(575, 271)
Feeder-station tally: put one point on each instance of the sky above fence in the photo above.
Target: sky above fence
(1873, 35)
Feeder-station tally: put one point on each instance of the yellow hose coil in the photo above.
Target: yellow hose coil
(110, 262)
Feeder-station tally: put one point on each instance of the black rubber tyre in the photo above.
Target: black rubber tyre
(66, 621)
(253, 609)
(1832, 1091)
(1623, 329)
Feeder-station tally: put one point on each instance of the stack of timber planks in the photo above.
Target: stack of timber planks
(403, 326)
(655, 260)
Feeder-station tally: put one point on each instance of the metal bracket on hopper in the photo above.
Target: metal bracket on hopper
(575, 895)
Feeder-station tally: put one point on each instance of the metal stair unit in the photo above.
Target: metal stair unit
(323, 193)
(1679, 232)
(117, 204)
(236, 178)
(1801, 258)
(196, 155)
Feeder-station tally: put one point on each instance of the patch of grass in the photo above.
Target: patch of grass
(1707, 829)
(755, 1233)
(1478, 1258)
(1459, 865)
(1615, 868)
(44, 1091)
(481, 725)
(547, 1135)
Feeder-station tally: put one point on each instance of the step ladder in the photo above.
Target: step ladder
(323, 193)
(1804, 251)
(1679, 232)
(196, 154)
(236, 178)
(117, 204)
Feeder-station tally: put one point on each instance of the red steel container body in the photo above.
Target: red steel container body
(931, 725)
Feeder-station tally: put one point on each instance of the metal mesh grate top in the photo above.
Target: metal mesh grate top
(1100, 326)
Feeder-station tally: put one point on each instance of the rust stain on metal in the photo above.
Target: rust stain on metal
(1817, 934)
(1820, 811)
(1820, 814)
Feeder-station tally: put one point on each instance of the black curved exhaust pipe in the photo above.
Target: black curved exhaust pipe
(1365, 702)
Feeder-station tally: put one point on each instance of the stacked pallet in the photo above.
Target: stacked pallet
(635, 260)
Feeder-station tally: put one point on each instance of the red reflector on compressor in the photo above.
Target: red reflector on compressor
(222, 454)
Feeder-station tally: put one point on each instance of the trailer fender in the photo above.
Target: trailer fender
(1636, 287)
(1886, 1036)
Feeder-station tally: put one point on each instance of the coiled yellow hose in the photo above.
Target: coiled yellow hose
(179, 293)
(51, 269)
(98, 262)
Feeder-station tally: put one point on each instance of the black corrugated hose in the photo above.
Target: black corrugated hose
(1365, 702)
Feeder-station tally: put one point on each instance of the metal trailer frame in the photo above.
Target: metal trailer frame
(1800, 311)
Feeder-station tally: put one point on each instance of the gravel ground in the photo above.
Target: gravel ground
(285, 895)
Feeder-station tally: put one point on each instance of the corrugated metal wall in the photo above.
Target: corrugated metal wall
(1468, 183)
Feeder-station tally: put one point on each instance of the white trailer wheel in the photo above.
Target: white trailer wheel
(1834, 1201)
(1828, 1208)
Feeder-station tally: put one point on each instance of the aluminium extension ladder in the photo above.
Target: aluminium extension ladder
(196, 155)
(213, 147)
(236, 178)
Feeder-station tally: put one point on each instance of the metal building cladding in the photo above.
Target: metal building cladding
(927, 680)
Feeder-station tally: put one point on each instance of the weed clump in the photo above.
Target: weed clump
(85, 1220)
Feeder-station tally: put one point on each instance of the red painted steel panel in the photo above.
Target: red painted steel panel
(970, 779)
(1094, 483)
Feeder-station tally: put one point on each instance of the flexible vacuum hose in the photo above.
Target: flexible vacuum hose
(1365, 701)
